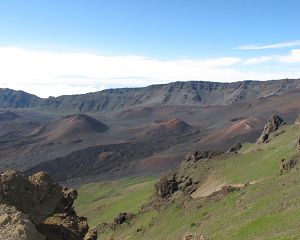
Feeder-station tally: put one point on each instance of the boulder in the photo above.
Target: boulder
(271, 126)
(37, 196)
(17, 225)
(166, 186)
(287, 165)
(122, 218)
(37, 208)
(234, 148)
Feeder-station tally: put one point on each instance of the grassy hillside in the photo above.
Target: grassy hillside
(102, 202)
(267, 207)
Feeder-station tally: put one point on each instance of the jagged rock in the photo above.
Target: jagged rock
(271, 126)
(45, 209)
(287, 165)
(15, 225)
(64, 226)
(121, 218)
(91, 235)
(234, 148)
(36, 196)
(192, 236)
(166, 186)
(67, 200)
(200, 155)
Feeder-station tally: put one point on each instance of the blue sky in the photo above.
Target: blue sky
(163, 34)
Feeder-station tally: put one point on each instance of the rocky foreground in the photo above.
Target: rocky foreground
(36, 208)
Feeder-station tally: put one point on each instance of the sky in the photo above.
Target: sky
(60, 47)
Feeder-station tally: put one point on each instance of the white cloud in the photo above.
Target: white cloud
(46, 73)
(269, 46)
(293, 57)
(259, 60)
(53, 73)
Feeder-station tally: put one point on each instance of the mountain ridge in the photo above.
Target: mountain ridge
(192, 93)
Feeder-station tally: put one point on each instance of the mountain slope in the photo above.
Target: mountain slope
(193, 93)
(258, 187)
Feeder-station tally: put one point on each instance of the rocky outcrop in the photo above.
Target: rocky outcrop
(64, 226)
(166, 186)
(17, 225)
(271, 126)
(39, 208)
(200, 155)
(287, 165)
(121, 218)
(36, 195)
(234, 148)
(193, 236)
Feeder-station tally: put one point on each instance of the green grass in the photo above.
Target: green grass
(102, 202)
(267, 209)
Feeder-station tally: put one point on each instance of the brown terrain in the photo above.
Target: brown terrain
(121, 132)
(37, 208)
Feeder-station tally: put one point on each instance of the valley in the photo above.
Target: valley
(158, 170)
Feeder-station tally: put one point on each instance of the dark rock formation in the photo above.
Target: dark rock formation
(166, 186)
(234, 148)
(201, 155)
(271, 126)
(287, 165)
(67, 200)
(122, 218)
(40, 208)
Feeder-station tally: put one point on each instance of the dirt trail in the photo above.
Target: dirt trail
(215, 184)
(212, 184)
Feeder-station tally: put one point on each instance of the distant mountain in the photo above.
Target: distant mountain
(192, 93)
(17, 99)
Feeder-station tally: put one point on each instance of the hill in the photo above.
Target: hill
(258, 186)
(69, 127)
(169, 128)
